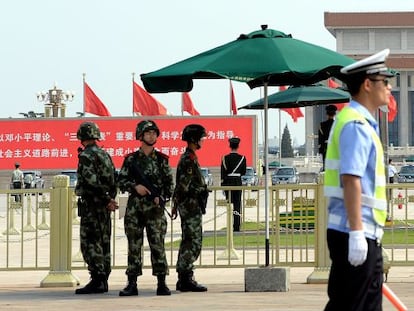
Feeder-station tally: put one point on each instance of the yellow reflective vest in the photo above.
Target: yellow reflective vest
(332, 163)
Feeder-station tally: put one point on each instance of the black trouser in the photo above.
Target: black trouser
(235, 198)
(354, 288)
(17, 185)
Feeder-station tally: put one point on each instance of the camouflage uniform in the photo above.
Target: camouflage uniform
(142, 212)
(190, 199)
(96, 186)
(189, 185)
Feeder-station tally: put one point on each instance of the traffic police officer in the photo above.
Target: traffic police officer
(355, 183)
(96, 187)
(147, 176)
(233, 166)
(190, 187)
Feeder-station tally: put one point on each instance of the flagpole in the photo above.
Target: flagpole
(182, 104)
(83, 78)
(133, 80)
(280, 138)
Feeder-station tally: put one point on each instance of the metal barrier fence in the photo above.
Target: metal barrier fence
(39, 229)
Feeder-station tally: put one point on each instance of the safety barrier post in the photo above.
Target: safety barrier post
(230, 252)
(29, 227)
(11, 206)
(60, 274)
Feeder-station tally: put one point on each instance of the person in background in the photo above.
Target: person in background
(17, 180)
(233, 166)
(355, 183)
(392, 171)
(28, 179)
(188, 199)
(96, 187)
(146, 175)
(324, 129)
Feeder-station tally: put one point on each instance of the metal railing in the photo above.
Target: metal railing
(39, 230)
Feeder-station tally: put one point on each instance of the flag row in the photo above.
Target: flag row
(143, 103)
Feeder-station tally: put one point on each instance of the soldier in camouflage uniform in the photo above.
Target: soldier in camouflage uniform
(190, 186)
(147, 176)
(96, 187)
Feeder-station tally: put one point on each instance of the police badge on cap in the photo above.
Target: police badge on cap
(372, 65)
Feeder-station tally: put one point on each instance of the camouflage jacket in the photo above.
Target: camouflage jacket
(154, 167)
(190, 182)
(96, 174)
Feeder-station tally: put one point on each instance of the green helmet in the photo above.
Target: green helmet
(192, 133)
(144, 126)
(88, 130)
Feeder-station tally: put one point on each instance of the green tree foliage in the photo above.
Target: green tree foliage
(287, 150)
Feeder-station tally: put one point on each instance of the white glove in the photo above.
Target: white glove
(357, 247)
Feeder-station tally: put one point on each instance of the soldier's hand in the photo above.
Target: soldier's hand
(142, 190)
(174, 213)
(112, 205)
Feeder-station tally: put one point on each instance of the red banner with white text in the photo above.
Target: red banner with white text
(52, 143)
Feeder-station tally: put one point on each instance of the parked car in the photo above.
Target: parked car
(73, 177)
(208, 177)
(285, 175)
(250, 178)
(406, 173)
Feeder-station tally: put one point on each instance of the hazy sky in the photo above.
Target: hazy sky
(48, 41)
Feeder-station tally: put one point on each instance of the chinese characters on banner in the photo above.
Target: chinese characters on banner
(52, 143)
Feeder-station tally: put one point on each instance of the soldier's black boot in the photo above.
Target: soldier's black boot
(162, 288)
(131, 289)
(186, 283)
(96, 285)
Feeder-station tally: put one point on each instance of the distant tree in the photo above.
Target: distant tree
(287, 150)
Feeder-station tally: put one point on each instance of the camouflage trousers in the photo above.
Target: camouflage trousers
(191, 239)
(154, 222)
(95, 239)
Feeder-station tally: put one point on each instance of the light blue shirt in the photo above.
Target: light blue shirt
(357, 157)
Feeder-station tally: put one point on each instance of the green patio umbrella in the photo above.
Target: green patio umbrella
(260, 58)
(264, 56)
(301, 96)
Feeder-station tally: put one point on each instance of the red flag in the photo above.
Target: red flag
(187, 105)
(392, 109)
(334, 85)
(145, 104)
(295, 113)
(92, 103)
(232, 100)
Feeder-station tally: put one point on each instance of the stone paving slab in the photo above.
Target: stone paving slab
(21, 291)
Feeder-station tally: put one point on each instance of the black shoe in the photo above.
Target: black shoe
(131, 289)
(186, 283)
(162, 288)
(93, 287)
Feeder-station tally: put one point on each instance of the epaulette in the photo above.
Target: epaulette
(359, 122)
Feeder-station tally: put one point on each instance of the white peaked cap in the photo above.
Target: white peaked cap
(371, 65)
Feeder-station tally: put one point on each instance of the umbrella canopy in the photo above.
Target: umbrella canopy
(301, 96)
(264, 56)
(260, 58)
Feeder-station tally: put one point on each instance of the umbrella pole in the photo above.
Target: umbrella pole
(266, 163)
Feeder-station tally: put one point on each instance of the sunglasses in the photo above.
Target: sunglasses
(385, 81)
